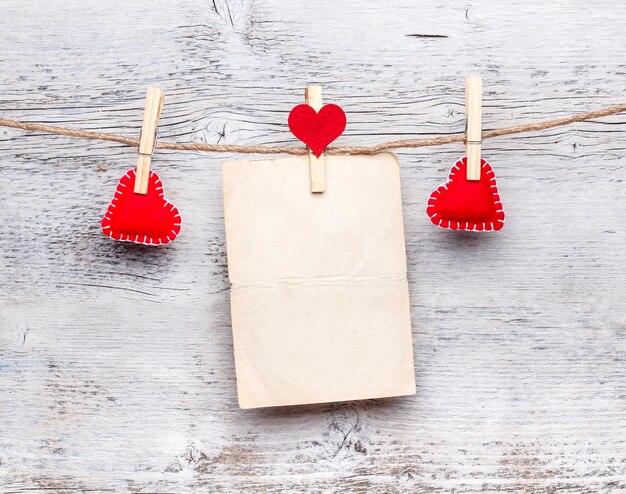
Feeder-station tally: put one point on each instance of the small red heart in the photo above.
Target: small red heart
(141, 218)
(461, 204)
(317, 129)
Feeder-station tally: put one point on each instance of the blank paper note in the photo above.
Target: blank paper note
(319, 293)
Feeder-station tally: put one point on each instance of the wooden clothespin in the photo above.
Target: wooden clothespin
(147, 138)
(473, 130)
(313, 98)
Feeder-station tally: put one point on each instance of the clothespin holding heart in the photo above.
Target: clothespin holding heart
(473, 130)
(317, 169)
(147, 138)
(139, 212)
(469, 200)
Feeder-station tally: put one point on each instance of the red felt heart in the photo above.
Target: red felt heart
(317, 129)
(141, 218)
(461, 204)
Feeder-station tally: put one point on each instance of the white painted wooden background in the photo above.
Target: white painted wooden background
(116, 366)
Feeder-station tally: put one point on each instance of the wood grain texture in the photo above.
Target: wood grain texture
(116, 366)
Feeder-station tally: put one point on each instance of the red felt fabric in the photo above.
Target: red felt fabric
(317, 129)
(141, 218)
(460, 204)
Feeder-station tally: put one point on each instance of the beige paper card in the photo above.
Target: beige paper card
(319, 294)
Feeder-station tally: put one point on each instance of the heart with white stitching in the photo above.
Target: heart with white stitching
(141, 218)
(462, 204)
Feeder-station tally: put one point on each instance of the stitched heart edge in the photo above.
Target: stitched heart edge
(493, 224)
(125, 181)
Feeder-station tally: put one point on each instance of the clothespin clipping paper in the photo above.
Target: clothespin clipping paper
(313, 98)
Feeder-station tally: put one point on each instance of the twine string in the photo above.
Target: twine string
(259, 149)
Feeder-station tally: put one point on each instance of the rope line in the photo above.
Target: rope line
(257, 149)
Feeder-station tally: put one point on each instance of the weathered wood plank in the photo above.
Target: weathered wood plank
(116, 368)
